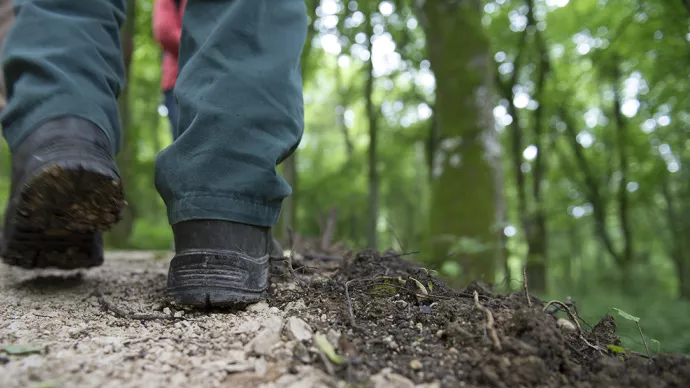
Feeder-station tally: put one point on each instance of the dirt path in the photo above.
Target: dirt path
(402, 327)
(81, 345)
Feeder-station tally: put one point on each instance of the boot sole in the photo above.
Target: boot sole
(214, 296)
(59, 213)
(205, 282)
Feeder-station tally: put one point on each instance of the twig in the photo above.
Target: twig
(638, 354)
(328, 231)
(570, 313)
(348, 300)
(573, 318)
(315, 256)
(524, 285)
(118, 312)
(44, 316)
(133, 341)
(489, 322)
(399, 255)
(582, 337)
(294, 241)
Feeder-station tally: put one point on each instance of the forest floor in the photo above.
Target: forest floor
(370, 320)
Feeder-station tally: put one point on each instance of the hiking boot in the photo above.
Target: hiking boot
(65, 191)
(219, 263)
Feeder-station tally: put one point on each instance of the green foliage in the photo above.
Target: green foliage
(151, 234)
(637, 321)
(616, 349)
(627, 316)
(663, 318)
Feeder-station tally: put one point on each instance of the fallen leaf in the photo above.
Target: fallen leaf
(19, 350)
(416, 364)
(327, 348)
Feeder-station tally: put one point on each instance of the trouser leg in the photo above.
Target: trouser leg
(63, 58)
(241, 110)
(6, 18)
(173, 111)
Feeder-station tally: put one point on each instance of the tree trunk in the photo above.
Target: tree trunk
(677, 246)
(684, 277)
(530, 207)
(627, 253)
(372, 116)
(537, 256)
(120, 234)
(536, 253)
(573, 260)
(463, 203)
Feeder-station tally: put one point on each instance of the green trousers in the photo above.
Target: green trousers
(239, 92)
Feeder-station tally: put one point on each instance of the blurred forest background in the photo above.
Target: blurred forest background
(486, 135)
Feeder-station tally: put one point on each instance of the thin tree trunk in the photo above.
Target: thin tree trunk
(342, 92)
(592, 189)
(677, 246)
(537, 241)
(623, 202)
(530, 207)
(372, 116)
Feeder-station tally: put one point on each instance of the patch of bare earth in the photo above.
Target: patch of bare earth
(373, 320)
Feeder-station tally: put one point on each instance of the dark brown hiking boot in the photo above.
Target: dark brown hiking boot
(219, 263)
(65, 191)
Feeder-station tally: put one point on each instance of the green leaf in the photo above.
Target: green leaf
(430, 272)
(616, 349)
(325, 346)
(420, 286)
(382, 290)
(627, 316)
(20, 350)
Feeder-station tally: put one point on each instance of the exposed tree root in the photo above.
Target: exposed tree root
(490, 323)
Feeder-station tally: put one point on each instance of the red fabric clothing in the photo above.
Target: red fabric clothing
(167, 29)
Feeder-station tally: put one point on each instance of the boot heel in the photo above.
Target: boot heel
(56, 218)
(205, 278)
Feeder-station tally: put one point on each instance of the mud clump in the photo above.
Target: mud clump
(391, 314)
